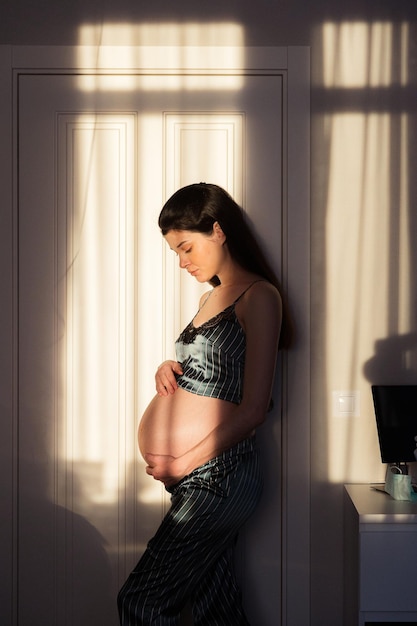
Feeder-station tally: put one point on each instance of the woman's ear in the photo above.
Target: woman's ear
(218, 232)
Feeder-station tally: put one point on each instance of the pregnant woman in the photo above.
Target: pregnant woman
(197, 435)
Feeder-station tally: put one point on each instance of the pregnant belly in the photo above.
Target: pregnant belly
(174, 424)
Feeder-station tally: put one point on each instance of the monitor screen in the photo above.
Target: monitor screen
(396, 418)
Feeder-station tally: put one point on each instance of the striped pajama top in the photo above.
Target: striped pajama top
(212, 356)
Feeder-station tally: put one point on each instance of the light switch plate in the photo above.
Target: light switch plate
(346, 403)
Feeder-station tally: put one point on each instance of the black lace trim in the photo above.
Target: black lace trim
(190, 332)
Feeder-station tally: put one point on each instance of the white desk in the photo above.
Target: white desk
(380, 551)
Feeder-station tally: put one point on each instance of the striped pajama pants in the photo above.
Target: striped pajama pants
(190, 558)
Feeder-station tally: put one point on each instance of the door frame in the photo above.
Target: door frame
(294, 63)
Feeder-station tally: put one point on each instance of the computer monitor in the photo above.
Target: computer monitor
(396, 419)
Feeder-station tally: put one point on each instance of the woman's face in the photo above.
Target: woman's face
(200, 254)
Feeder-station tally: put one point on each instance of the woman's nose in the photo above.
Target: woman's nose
(183, 262)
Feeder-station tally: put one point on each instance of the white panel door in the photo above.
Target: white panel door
(100, 303)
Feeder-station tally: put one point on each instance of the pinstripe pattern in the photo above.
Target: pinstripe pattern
(212, 355)
(191, 555)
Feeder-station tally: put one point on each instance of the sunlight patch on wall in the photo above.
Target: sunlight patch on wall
(357, 254)
(162, 34)
(361, 54)
(96, 155)
(367, 231)
(405, 232)
(123, 45)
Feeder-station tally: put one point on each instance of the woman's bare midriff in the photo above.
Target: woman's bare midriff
(174, 424)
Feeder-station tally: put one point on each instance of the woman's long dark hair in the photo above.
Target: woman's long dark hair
(197, 207)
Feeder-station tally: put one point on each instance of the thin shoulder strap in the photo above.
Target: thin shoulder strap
(259, 280)
(205, 300)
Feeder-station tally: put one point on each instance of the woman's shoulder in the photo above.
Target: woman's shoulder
(261, 288)
(261, 297)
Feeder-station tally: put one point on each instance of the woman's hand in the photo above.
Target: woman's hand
(165, 380)
(166, 468)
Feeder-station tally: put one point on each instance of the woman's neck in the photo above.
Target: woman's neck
(237, 277)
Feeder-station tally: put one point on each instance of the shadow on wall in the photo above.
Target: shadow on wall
(394, 361)
(62, 561)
